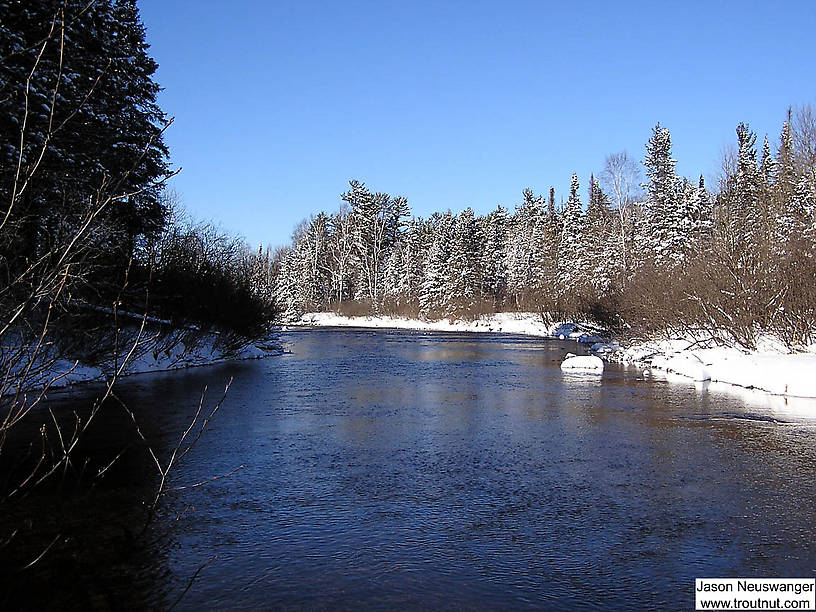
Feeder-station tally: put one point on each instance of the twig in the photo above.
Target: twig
(190, 583)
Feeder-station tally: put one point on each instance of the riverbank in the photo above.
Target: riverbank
(771, 368)
(175, 351)
(526, 323)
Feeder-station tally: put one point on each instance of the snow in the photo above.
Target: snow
(584, 363)
(770, 368)
(168, 353)
(524, 323)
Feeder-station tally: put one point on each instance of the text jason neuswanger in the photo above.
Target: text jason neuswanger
(750, 586)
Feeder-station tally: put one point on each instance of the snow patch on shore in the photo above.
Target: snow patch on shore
(771, 368)
(525, 323)
(149, 357)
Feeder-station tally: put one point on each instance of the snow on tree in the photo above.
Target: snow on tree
(340, 253)
(522, 248)
(571, 250)
(433, 293)
(745, 213)
(494, 256)
(462, 288)
(660, 232)
(374, 222)
(413, 258)
(287, 293)
(621, 175)
(603, 261)
(78, 76)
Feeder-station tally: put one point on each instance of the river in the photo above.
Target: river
(394, 469)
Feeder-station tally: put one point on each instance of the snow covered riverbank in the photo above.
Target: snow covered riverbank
(169, 353)
(526, 323)
(769, 369)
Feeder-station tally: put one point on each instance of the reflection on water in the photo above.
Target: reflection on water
(403, 469)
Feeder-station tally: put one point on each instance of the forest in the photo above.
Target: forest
(645, 251)
(91, 238)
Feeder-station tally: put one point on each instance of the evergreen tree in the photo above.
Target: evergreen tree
(340, 256)
(571, 261)
(433, 293)
(373, 220)
(767, 166)
(600, 247)
(462, 288)
(413, 254)
(522, 249)
(786, 209)
(494, 256)
(660, 232)
(745, 212)
(78, 76)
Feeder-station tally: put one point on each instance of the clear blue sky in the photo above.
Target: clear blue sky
(455, 103)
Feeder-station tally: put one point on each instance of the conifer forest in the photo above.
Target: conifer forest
(639, 248)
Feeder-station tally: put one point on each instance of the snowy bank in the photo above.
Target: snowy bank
(175, 351)
(526, 323)
(768, 369)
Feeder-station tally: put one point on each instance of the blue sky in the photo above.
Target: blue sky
(278, 104)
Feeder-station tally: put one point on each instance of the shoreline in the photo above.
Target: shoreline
(62, 374)
(524, 323)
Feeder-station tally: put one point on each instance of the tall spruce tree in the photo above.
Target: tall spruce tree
(660, 231)
(462, 290)
(571, 251)
(77, 90)
(745, 213)
(494, 256)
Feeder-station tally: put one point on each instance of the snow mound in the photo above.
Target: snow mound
(584, 363)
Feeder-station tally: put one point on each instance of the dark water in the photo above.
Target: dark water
(397, 470)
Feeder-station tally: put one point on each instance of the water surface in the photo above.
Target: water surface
(394, 469)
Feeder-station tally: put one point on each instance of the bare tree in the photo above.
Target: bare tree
(803, 133)
(621, 175)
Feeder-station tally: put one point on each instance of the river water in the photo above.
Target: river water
(393, 470)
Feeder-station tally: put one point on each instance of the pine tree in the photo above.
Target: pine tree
(340, 256)
(393, 298)
(660, 231)
(786, 210)
(413, 254)
(571, 261)
(523, 246)
(745, 213)
(373, 220)
(601, 253)
(494, 256)
(701, 214)
(433, 293)
(767, 166)
(462, 288)
(91, 120)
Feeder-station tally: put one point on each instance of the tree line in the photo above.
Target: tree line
(642, 254)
